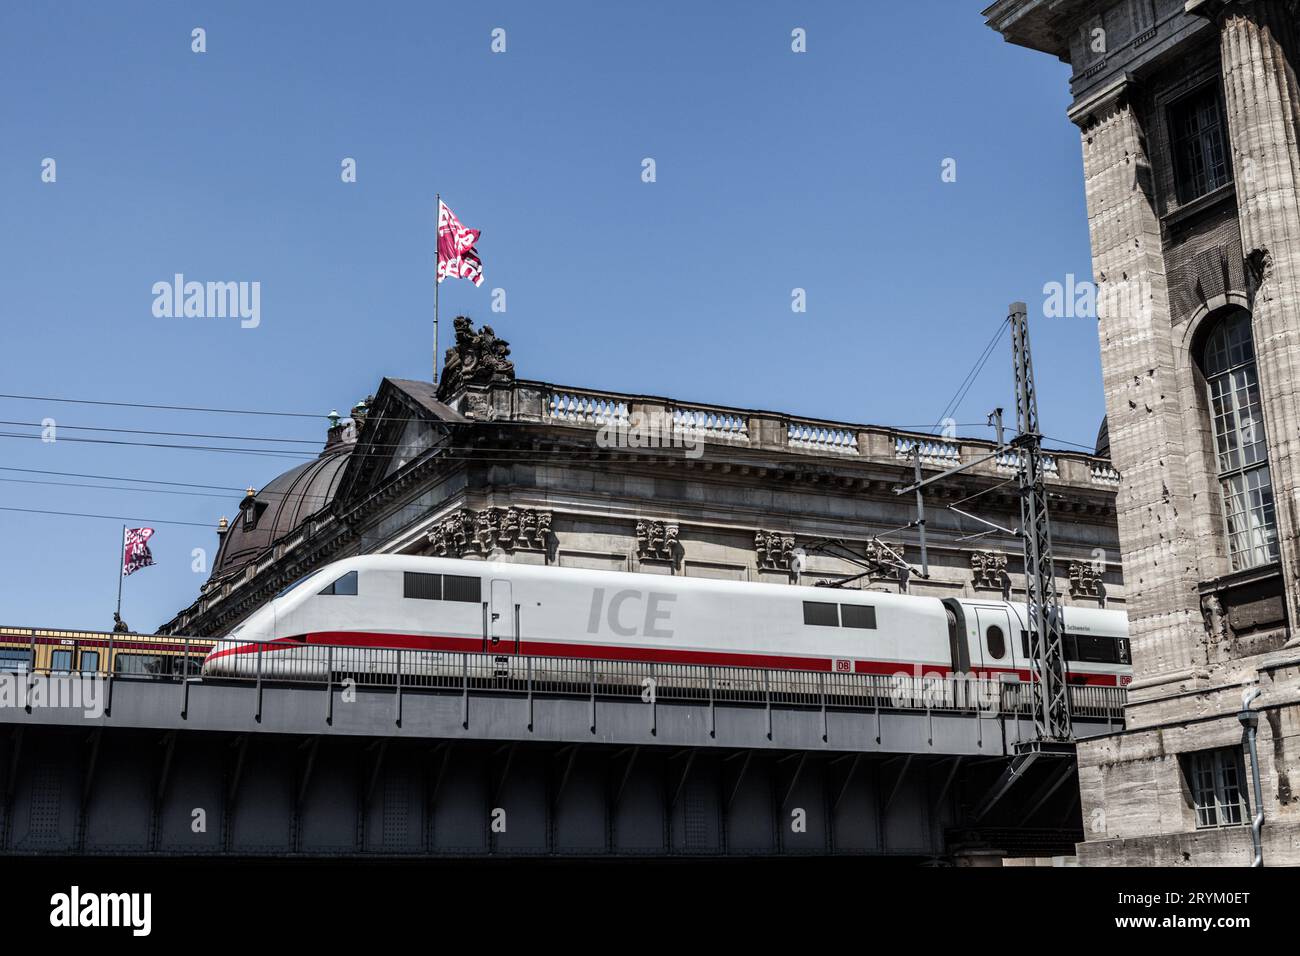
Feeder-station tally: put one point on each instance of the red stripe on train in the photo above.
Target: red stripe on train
(656, 655)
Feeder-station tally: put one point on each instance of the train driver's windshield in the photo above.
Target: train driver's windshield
(290, 587)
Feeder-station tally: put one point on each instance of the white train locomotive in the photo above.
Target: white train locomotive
(361, 609)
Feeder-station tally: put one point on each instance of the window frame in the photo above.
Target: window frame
(867, 618)
(1188, 190)
(1251, 531)
(11, 657)
(331, 589)
(1002, 641)
(821, 605)
(1212, 777)
(868, 615)
(476, 597)
(82, 661)
(416, 581)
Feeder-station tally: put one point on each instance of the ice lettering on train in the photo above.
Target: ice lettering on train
(656, 621)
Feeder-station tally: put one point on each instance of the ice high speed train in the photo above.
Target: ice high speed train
(363, 607)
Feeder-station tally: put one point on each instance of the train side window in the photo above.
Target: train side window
(1091, 649)
(997, 642)
(89, 662)
(153, 665)
(15, 660)
(345, 585)
(858, 615)
(458, 587)
(821, 614)
(427, 587)
(61, 660)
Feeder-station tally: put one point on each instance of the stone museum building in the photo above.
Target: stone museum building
(1189, 115)
(491, 466)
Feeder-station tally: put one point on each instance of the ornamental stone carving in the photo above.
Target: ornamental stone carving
(471, 532)
(451, 537)
(886, 562)
(477, 358)
(658, 541)
(989, 570)
(775, 551)
(1085, 579)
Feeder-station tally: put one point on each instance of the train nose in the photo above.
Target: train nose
(228, 654)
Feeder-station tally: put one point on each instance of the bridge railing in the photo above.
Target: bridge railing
(161, 658)
(412, 669)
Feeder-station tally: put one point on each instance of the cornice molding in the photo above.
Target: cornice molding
(1097, 106)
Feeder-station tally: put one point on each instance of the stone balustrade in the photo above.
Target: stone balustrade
(585, 408)
(710, 423)
(933, 451)
(815, 436)
(772, 431)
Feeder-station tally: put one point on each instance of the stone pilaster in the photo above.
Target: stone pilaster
(1258, 42)
(1145, 421)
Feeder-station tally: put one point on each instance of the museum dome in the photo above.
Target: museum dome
(267, 515)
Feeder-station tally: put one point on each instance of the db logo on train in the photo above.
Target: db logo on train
(1125, 680)
(841, 666)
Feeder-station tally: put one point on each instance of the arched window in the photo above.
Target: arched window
(1241, 458)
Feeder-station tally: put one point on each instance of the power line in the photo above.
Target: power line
(260, 452)
(313, 415)
(212, 411)
(1091, 449)
(374, 448)
(82, 484)
(487, 456)
(77, 514)
(144, 431)
(939, 535)
(966, 383)
(163, 407)
(150, 481)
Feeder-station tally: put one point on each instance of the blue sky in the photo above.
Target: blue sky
(774, 170)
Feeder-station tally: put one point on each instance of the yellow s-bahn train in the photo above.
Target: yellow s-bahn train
(47, 650)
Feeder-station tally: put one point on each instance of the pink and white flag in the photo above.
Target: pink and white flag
(135, 550)
(456, 256)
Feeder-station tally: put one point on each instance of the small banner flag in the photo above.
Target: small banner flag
(456, 256)
(135, 550)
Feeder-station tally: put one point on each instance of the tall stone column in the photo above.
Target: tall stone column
(1258, 42)
(1145, 422)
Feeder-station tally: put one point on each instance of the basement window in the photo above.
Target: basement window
(1214, 780)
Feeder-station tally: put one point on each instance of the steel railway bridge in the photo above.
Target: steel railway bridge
(595, 759)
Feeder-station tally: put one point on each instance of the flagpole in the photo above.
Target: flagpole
(121, 546)
(437, 217)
